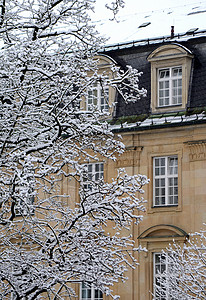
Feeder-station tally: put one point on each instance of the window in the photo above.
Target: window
(90, 293)
(93, 173)
(165, 181)
(170, 86)
(171, 66)
(98, 96)
(161, 286)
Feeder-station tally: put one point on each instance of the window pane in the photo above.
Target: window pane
(157, 161)
(97, 167)
(104, 99)
(84, 294)
(161, 93)
(161, 85)
(98, 295)
(173, 165)
(166, 101)
(90, 168)
(166, 84)
(177, 71)
(164, 73)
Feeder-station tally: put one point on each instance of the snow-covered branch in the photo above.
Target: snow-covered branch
(50, 236)
(185, 277)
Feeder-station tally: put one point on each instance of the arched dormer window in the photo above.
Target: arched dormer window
(170, 77)
(100, 94)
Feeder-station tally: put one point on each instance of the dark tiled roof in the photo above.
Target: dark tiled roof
(198, 90)
(136, 55)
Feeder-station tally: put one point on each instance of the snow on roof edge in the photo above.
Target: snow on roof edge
(177, 37)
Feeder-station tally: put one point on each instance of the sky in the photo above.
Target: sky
(161, 14)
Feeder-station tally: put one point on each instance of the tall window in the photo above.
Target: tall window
(162, 267)
(90, 293)
(170, 86)
(98, 97)
(165, 181)
(93, 173)
(160, 264)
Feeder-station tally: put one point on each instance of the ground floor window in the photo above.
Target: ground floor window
(161, 285)
(90, 293)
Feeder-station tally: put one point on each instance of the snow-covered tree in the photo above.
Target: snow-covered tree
(185, 275)
(47, 242)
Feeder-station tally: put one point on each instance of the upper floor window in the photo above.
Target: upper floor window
(90, 293)
(98, 96)
(165, 181)
(170, 86)
(94, 172)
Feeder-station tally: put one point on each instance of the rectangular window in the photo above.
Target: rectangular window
(170, 86)
(90, 293)
(93, 173)
(98, 96)
(165, 181)
(161, 267)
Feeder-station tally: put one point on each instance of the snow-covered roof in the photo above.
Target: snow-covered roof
(180, 37)
(153, 122)
(148, 19)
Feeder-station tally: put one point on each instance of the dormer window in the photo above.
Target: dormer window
(170, 86)
(170, 78)
(97, 96)
(98, 93)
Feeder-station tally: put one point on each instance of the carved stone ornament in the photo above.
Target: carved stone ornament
(197, 150)
(130, 157)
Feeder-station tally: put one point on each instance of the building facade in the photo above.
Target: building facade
(165, 138)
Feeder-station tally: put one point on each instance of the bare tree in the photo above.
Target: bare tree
(185, 275)
(47, 51)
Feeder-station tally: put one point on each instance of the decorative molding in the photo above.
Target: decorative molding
(197, 150)
(130, 157)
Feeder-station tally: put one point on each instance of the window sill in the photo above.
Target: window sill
(167, 106)
(168, 109)
(164, 208)
(171, 205)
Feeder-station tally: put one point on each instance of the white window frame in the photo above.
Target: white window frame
(157, 272)
(170, 199)
(95, 172)
(101, 99)
(171, 90)
(92, 293)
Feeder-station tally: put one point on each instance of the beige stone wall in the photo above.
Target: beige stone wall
(162, 224)
(189, 143)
